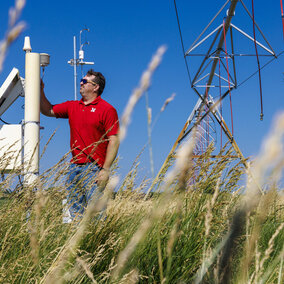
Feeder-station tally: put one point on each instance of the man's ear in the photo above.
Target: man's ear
(96, 89)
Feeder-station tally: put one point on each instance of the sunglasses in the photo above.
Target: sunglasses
(85, 81)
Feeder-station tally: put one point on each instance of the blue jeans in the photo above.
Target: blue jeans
(81, 187)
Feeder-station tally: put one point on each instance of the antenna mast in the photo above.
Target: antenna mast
(78, 61)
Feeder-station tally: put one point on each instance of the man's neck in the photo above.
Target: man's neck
(88, 100)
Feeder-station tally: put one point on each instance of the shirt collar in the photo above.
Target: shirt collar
(94, 102)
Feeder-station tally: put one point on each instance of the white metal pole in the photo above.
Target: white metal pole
(32, 117)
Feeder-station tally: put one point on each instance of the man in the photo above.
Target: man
(93, 139)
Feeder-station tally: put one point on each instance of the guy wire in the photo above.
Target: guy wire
(180, 34)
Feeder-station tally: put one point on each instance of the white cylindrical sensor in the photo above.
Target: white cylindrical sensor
(81, 54)
(44, 59)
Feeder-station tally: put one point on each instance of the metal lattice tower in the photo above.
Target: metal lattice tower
(216, 76)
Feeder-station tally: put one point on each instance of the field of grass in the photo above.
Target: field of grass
(200, 228)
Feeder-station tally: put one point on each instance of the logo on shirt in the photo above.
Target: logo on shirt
(93, 109)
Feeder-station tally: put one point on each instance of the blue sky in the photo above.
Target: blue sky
(123, 37)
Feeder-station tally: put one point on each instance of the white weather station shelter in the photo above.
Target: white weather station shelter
(19, 143)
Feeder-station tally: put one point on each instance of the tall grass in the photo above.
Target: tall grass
(176, 236)
(200, 226)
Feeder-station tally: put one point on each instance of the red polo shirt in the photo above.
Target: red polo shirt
(90, 127)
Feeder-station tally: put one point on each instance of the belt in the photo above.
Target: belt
(84, 164)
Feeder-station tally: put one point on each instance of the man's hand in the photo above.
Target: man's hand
(102, 177)
(45, 105)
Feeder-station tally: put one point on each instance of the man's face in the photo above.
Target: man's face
(88, 88)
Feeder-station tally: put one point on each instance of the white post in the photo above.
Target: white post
(32, 114)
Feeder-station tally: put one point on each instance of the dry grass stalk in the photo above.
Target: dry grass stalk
(47, 143)
(149, 116)
(86, 268)
(130, 278)
(4, 241)
(182, 163)
(138, 92)
(40, 201)
(172, 238)
(269, 250)
(271, 156)
(280, 276)
(170, 245)
(149, 131)
(255, 275)
(269, 270)
(167, 101)
(14, 30)
(209, 206)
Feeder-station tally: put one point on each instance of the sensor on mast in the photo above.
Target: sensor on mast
(78, 61)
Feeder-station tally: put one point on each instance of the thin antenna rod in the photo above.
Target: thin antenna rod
(75, 69)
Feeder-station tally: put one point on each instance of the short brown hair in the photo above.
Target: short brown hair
(99, 79)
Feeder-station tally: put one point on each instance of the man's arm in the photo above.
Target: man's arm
(111, 153)
(45, 105)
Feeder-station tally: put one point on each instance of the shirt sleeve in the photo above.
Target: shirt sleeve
(61, 110)
(111, 123)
